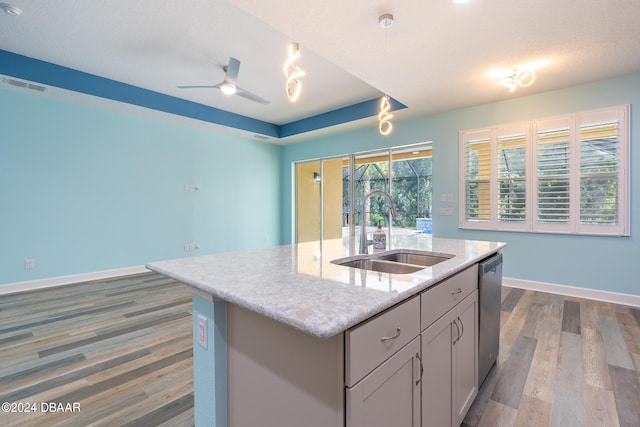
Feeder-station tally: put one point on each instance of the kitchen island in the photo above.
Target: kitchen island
(289, 333)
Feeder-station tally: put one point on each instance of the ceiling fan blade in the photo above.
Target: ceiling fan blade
(251, 96)
(232, 71)
(201, 86)
(230, 78)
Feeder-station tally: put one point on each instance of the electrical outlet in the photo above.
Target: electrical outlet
(29, 264)
(189, 247)
(202, 331)
(446, 211)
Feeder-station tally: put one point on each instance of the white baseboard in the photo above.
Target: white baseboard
(574, 291)
(32, 285)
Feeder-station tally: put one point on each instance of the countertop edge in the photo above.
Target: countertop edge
(337, 328)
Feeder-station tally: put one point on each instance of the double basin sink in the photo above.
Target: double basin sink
(396, 261)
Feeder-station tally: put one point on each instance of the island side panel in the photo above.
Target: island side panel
(279, 376)
(210, 364)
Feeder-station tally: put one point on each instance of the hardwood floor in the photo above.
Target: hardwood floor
(122, 350)
(563, 362)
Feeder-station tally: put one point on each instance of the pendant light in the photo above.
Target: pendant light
(384, 115)
(293, 72)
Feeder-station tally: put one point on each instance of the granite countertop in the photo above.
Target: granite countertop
(299, 286)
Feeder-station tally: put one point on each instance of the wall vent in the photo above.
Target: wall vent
(23, 84)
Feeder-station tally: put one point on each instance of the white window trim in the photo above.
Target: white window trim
(622, 228)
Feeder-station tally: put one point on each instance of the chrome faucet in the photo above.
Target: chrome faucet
(363, 237)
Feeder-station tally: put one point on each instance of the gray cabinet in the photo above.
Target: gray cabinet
(390, 395)
(383, 368)
(450, 357)
(412, 365)
(395, 375)
(465, 357)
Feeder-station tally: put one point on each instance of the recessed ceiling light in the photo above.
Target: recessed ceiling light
(10, 9)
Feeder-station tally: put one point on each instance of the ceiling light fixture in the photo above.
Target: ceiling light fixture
(228, 88)
(384, 116)
(522, 77)
(293, 72)
(10, 9)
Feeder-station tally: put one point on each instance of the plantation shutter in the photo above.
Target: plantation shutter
(477, 176)
(599, 173)
(566, 174)
(553, 153)
(512, 163)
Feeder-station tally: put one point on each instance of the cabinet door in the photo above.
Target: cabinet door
(389, 395)
(465, 353)
(437, 357)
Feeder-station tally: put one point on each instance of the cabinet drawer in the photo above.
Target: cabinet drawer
(441, 298)
(372, 342)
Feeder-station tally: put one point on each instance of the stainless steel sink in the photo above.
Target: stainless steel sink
(381, 265)
(423, 259)
(396, 261)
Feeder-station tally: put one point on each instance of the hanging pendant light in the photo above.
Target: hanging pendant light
(293, 72)
(384, 116)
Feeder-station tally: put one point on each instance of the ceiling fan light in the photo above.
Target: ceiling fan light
(10, 9)
(228, 89)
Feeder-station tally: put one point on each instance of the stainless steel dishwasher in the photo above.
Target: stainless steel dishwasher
(489, 295)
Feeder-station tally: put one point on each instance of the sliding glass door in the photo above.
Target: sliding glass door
(331, 202)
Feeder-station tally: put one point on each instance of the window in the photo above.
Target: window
(329, 193)
(559, 175)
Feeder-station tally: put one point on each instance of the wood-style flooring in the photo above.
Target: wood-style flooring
(563, 362)
(122, 350)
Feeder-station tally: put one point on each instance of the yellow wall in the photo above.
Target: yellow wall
(332, 188)
(308, 202)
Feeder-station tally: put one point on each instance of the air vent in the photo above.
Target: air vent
(26, 85)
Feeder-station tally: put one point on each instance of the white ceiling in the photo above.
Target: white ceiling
(439, 55)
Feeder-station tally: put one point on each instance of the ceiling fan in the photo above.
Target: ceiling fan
(228, 85)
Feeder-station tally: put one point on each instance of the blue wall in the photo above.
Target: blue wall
(603, 263)
(87, 189)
